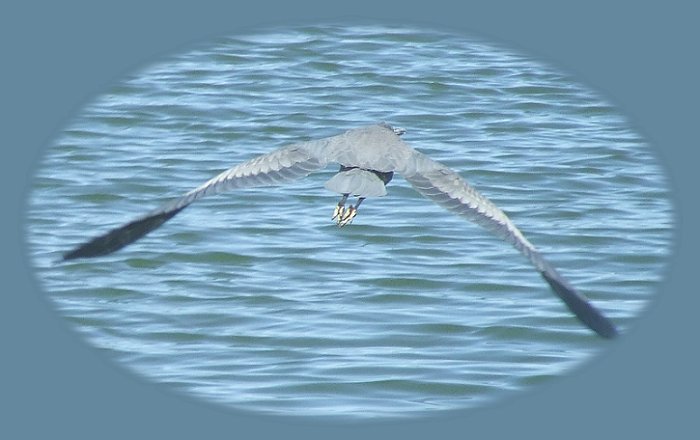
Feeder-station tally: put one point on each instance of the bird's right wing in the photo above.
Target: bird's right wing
(446, 188)
(280, 166)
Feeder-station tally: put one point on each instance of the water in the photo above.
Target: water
(257, 301)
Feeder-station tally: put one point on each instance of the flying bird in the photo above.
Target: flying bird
(368, 158)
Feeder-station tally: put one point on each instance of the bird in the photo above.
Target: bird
(368, 157)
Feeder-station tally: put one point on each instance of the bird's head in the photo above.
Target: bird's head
(398, 131)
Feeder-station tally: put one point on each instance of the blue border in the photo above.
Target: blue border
(640, 55)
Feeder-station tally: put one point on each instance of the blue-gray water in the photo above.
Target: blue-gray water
(256, 300)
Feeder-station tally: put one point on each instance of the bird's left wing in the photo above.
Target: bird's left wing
(280, 166)
(446, 188)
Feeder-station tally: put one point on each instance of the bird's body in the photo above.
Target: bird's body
(359, 182)
(368, 158)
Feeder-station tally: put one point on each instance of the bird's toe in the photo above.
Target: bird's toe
(347, 216)
(338, 212)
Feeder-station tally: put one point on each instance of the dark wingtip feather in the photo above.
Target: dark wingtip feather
(583, 310)
(120, 237)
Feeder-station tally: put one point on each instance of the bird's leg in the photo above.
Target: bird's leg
(349, 213)
(340, 208)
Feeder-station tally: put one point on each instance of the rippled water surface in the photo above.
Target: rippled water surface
(256, 300)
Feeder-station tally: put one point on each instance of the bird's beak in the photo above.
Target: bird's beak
(398, 130)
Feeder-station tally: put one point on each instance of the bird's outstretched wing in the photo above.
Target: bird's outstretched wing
(280, 166)
(446, 188)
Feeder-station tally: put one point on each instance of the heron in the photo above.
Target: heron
(368, 158)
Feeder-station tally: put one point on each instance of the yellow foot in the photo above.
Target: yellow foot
(338, 212)
(347, 216)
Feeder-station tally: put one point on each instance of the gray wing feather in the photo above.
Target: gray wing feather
(449, 190)
(446, 188)
(283, 165)
(280, 166)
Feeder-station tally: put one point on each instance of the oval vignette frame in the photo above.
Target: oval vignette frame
(143, 262)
